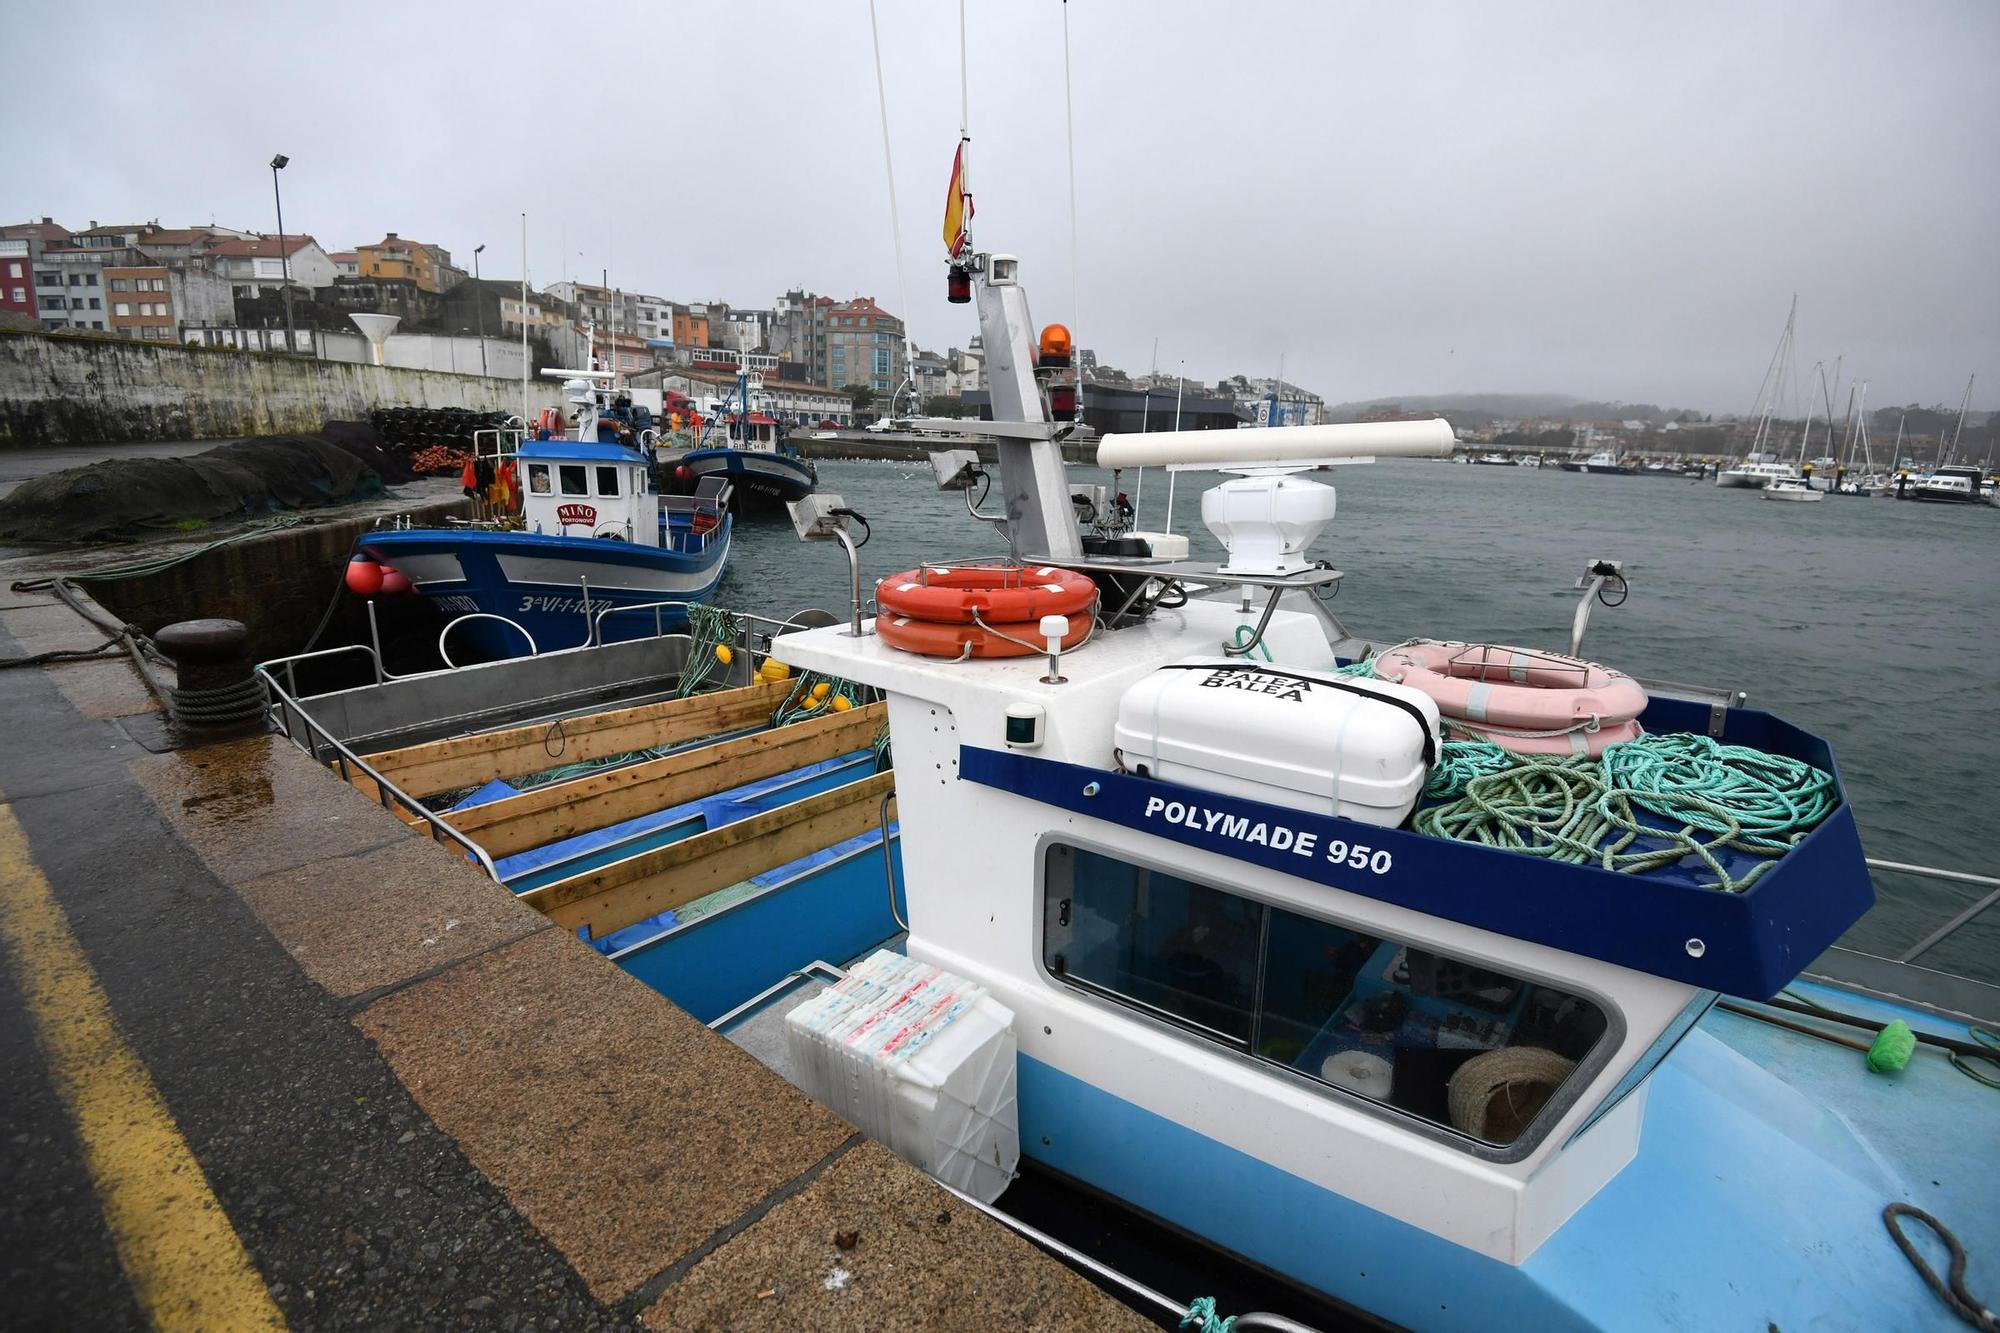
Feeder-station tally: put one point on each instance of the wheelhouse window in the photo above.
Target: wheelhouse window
(1450, 1042)
(607, 481)
(573, 478)
(538, 478)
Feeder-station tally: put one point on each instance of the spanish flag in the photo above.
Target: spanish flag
(957, 206)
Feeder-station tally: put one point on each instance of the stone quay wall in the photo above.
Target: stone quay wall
(82, 391)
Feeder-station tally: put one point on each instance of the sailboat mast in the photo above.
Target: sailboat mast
(1963, 403)
(1767, 393)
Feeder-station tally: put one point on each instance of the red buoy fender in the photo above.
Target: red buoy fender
(932, 639)
(998, 594)
(364, 576)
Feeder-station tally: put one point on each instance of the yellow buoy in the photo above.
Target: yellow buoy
(723, 655)
(841, 703)
(821, 690)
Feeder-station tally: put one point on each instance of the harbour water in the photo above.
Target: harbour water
(1873, 622)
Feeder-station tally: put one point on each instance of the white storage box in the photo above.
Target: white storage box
(919, 1060)
(1307, 740)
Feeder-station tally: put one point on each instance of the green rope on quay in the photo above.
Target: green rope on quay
(142, 568)
(1587, 812)
(1201, 1317)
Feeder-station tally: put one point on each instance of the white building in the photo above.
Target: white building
(650, 317)
(70, 290)
(256, 266)
(743, 330)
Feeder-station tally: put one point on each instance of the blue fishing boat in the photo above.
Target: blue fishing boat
(1188, 897)
(752, 454)
(586, 544)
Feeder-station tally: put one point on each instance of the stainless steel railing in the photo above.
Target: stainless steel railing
(1949, 928)
(286, 713)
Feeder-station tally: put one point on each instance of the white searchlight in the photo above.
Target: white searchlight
(1267, 515)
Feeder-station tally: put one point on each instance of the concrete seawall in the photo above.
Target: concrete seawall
(67, 391)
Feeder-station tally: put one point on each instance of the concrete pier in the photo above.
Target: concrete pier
(275, 1058)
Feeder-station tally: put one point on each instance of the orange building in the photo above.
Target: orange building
(690, 329)
(429, 266)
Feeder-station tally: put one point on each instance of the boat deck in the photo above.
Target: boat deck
(278, 1058)
(1792, 1149)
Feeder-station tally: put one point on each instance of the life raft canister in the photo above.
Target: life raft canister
(1520, 699)
(931, 610)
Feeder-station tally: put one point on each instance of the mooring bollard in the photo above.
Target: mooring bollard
(214, 685)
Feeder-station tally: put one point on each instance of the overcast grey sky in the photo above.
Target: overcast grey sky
(1602, 199)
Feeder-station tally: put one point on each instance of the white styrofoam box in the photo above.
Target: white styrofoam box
(919, 1060)
(1303, 739)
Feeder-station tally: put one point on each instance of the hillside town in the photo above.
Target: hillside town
(821, 358)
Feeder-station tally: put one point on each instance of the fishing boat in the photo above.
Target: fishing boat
(1156, 856)
(581, 540)
(752, 454)
(1494, 460)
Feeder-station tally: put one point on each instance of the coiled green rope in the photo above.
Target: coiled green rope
(710, 627)
(1588, 812)
(1459, 762)
(807, 699)
(1773, 801)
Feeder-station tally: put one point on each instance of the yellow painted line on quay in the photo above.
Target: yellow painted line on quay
(186, 1264)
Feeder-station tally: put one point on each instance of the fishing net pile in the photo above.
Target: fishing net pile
(244, 479)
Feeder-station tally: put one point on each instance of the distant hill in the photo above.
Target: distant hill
(1476, 409)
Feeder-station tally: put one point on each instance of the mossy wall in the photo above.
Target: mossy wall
(82, 391)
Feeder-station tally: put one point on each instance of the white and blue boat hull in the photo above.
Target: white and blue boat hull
(551, 588)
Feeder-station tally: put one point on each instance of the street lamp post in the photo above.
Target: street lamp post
(278, 164)
(1179, 389)
(479, 304)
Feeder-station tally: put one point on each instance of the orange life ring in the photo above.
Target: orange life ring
(931, 639)
(551, 420)
(998, 594)
(1521, 699)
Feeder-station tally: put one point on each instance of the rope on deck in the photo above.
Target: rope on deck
(1588, 812)
(1951, 1290)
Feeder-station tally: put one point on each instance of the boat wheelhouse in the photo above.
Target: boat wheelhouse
(1951, 485)
(1755, 474)
(586, 551)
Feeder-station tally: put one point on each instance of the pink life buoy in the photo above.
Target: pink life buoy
(1522, 700)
